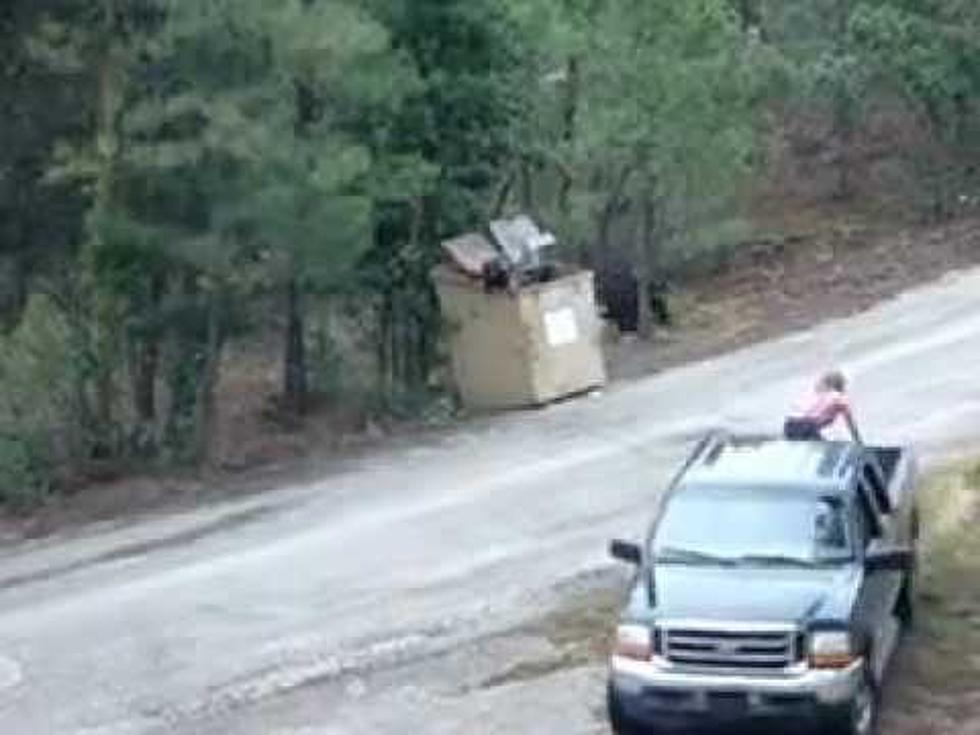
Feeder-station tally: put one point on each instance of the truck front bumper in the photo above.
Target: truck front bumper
(649, 694)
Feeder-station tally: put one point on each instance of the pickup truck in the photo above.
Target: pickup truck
(772, 588)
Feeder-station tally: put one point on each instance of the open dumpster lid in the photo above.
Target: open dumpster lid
(521, 241)
(470, 253)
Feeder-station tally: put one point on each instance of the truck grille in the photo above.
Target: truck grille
(719, 649)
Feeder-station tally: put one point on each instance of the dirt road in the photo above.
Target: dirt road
(431, 589)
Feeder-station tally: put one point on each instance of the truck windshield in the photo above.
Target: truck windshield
(750, 527)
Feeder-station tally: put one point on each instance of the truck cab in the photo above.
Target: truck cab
(771, 587)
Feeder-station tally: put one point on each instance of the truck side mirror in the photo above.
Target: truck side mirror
(626, 551)
(889, 559)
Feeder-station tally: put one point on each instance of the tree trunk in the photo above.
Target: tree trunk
(645, 267)
(13, 290)
(609, 210)
(527, 187)
(105, 322)
(183, 368)
(845, 177)
(295, 367)
(295, 374)
(569, 123)
(208, 382)
(503, 196)
(144, 381)
(399, 352)
(416, 360)
(384, 346)
(844, 111)
(181, 383)
(79, 339)
(104, 444)
(144, 366)
(146, 360)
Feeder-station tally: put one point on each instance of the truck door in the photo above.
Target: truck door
(880, 589)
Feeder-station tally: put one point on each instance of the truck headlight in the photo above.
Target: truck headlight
(831, 649)
(634, 642)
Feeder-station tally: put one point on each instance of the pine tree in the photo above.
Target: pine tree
(669, 117)
(452, 143)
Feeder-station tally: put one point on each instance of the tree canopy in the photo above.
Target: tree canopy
(180, 178)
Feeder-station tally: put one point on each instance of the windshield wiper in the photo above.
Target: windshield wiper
(776, 560)
(672, 555)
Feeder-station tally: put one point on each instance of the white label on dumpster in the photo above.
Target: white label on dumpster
(561, 327)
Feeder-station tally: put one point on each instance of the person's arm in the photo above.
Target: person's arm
(876, 468)
(852, 425)
(842, 407)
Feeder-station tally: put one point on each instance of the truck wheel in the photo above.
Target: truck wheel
(860, 717)
(621, 725)
(905, 608)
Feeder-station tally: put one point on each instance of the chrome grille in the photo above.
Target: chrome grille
(759, 650)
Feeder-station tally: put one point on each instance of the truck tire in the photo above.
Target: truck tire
(905, 608)
(860, 716)
(905, 605)
(620, 724)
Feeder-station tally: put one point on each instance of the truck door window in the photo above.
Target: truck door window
(876, 483)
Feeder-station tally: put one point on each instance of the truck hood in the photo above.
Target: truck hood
(754, 594)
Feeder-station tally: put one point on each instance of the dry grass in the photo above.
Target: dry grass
(934, 688)
(808, 274)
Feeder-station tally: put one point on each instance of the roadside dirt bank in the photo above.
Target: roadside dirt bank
(810, 273)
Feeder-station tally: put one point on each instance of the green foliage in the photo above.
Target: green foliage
(672, 88)
(929, 52)
(471, 59)
(39, 223)
(33, 359)
(23, 481)
(848, 55)
(444, 151)
(933, 56)
(35, 403)
(172, 169)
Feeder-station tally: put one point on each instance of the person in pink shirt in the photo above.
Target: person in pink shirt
(827, 403)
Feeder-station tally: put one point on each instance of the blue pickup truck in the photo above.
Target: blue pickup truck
(772, 587)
